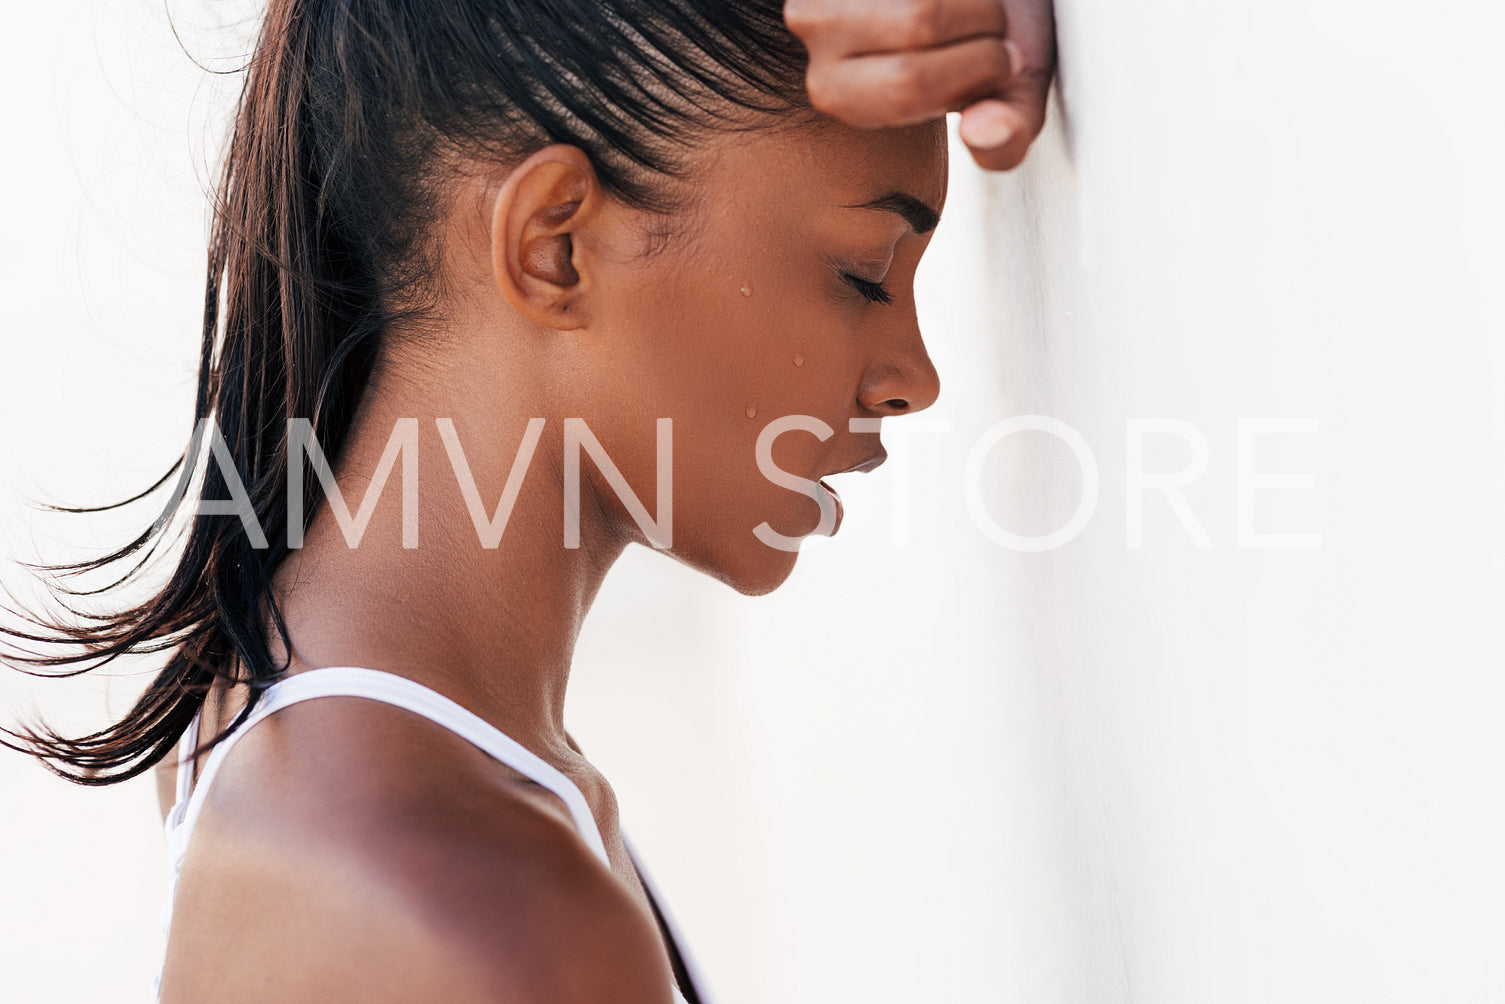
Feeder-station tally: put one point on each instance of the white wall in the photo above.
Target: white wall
(1279, 767)
(930, 767)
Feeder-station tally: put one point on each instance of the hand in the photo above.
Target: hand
(880, 63)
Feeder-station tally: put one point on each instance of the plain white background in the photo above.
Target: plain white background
(930, 767)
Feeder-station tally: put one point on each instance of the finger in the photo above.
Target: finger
(834, 28)
(998, 133)
(909, 87)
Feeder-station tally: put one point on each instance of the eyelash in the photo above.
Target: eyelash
(874, 292)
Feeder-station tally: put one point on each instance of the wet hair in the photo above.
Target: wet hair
(350, 115)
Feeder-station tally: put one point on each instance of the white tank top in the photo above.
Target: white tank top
(352, 681)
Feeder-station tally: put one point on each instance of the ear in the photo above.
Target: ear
(540, 236)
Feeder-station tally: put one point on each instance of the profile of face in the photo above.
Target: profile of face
(785, 289)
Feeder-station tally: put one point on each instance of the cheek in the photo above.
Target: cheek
(742, 344)
(723, 350)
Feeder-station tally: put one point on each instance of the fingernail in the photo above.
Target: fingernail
(986, 129)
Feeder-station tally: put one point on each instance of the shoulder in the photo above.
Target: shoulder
(413, 874)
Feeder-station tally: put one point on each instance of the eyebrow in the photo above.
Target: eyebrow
(920, 217)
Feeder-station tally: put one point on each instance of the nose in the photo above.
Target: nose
(901, 379)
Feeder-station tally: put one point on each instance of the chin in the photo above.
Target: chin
(754, 571)
(761, 586)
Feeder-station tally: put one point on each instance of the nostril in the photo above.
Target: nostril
(898, 404)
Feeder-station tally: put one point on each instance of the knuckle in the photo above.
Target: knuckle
(916, 23)
(809, 18)
(818, 85)
(826, 93)
(908, 84)
(831, 96)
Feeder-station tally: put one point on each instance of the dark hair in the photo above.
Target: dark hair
(349, 113)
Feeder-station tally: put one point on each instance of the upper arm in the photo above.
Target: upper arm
(410, 916)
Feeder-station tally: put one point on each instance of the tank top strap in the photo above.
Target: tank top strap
(355, 681)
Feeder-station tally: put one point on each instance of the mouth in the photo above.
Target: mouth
(830, 501)
(871, 463)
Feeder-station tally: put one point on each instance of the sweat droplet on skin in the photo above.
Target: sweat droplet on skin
(747, 289)
(752, 411)
(799, 360)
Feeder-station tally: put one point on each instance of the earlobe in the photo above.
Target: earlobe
(537, 226)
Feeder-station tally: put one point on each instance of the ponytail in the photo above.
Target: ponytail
(287, 295)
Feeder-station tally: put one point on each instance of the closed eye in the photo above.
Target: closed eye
(876, 292)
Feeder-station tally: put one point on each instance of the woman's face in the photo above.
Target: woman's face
(787, 294)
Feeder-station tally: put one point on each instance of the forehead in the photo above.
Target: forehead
(828, 162)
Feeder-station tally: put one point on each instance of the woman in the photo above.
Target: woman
(484, 239)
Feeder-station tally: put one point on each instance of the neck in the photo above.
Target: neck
(494, 629)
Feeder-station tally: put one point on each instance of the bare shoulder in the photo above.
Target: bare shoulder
(404, 870)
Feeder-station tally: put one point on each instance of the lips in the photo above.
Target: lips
(830, 498)
(870, 463)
